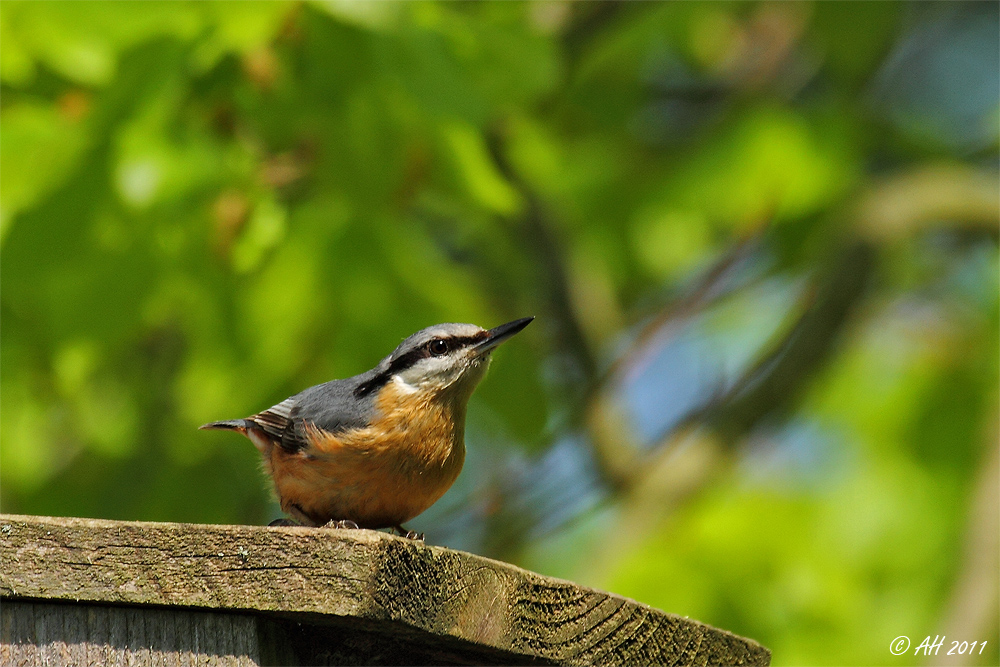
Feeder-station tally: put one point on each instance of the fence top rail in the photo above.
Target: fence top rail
(366, 575)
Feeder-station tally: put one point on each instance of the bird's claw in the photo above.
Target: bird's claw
(342, 524)
(409, 534)
(283, 522)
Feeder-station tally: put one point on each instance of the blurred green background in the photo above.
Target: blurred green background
(760, 240)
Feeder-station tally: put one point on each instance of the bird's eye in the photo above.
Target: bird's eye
(438, 347)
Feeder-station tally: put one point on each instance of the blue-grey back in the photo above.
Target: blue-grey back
(340, 405)
(335, 406)
(332, 406)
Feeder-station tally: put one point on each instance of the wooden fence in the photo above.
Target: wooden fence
(94, 592)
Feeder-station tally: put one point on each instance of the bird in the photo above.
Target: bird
(377, 449)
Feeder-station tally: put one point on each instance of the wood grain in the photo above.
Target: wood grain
(474, 609)
(61, 634)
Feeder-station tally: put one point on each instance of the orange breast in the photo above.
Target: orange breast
(381, 475)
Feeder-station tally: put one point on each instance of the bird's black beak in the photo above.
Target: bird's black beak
(499, 334)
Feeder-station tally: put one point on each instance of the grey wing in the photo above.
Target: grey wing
(331, 406)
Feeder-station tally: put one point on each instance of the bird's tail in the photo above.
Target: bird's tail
(228, 425)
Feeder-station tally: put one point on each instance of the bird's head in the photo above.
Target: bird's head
(446, 358)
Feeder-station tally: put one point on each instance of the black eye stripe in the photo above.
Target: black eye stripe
(411, 357)
(462, 341)
(451, 343)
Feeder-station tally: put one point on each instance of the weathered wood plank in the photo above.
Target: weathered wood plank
(369, 579)
(73, 634)
(66, 634)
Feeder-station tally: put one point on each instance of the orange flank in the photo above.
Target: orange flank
(383, 474)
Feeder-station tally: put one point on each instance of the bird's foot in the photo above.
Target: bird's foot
(409, 534)
(342, 524)
(284, 522)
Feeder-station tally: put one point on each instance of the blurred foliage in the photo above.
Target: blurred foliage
(760, 240)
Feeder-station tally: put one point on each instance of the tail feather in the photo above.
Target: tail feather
(228, 425)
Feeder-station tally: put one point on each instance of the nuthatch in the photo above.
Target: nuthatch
(379, 448)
